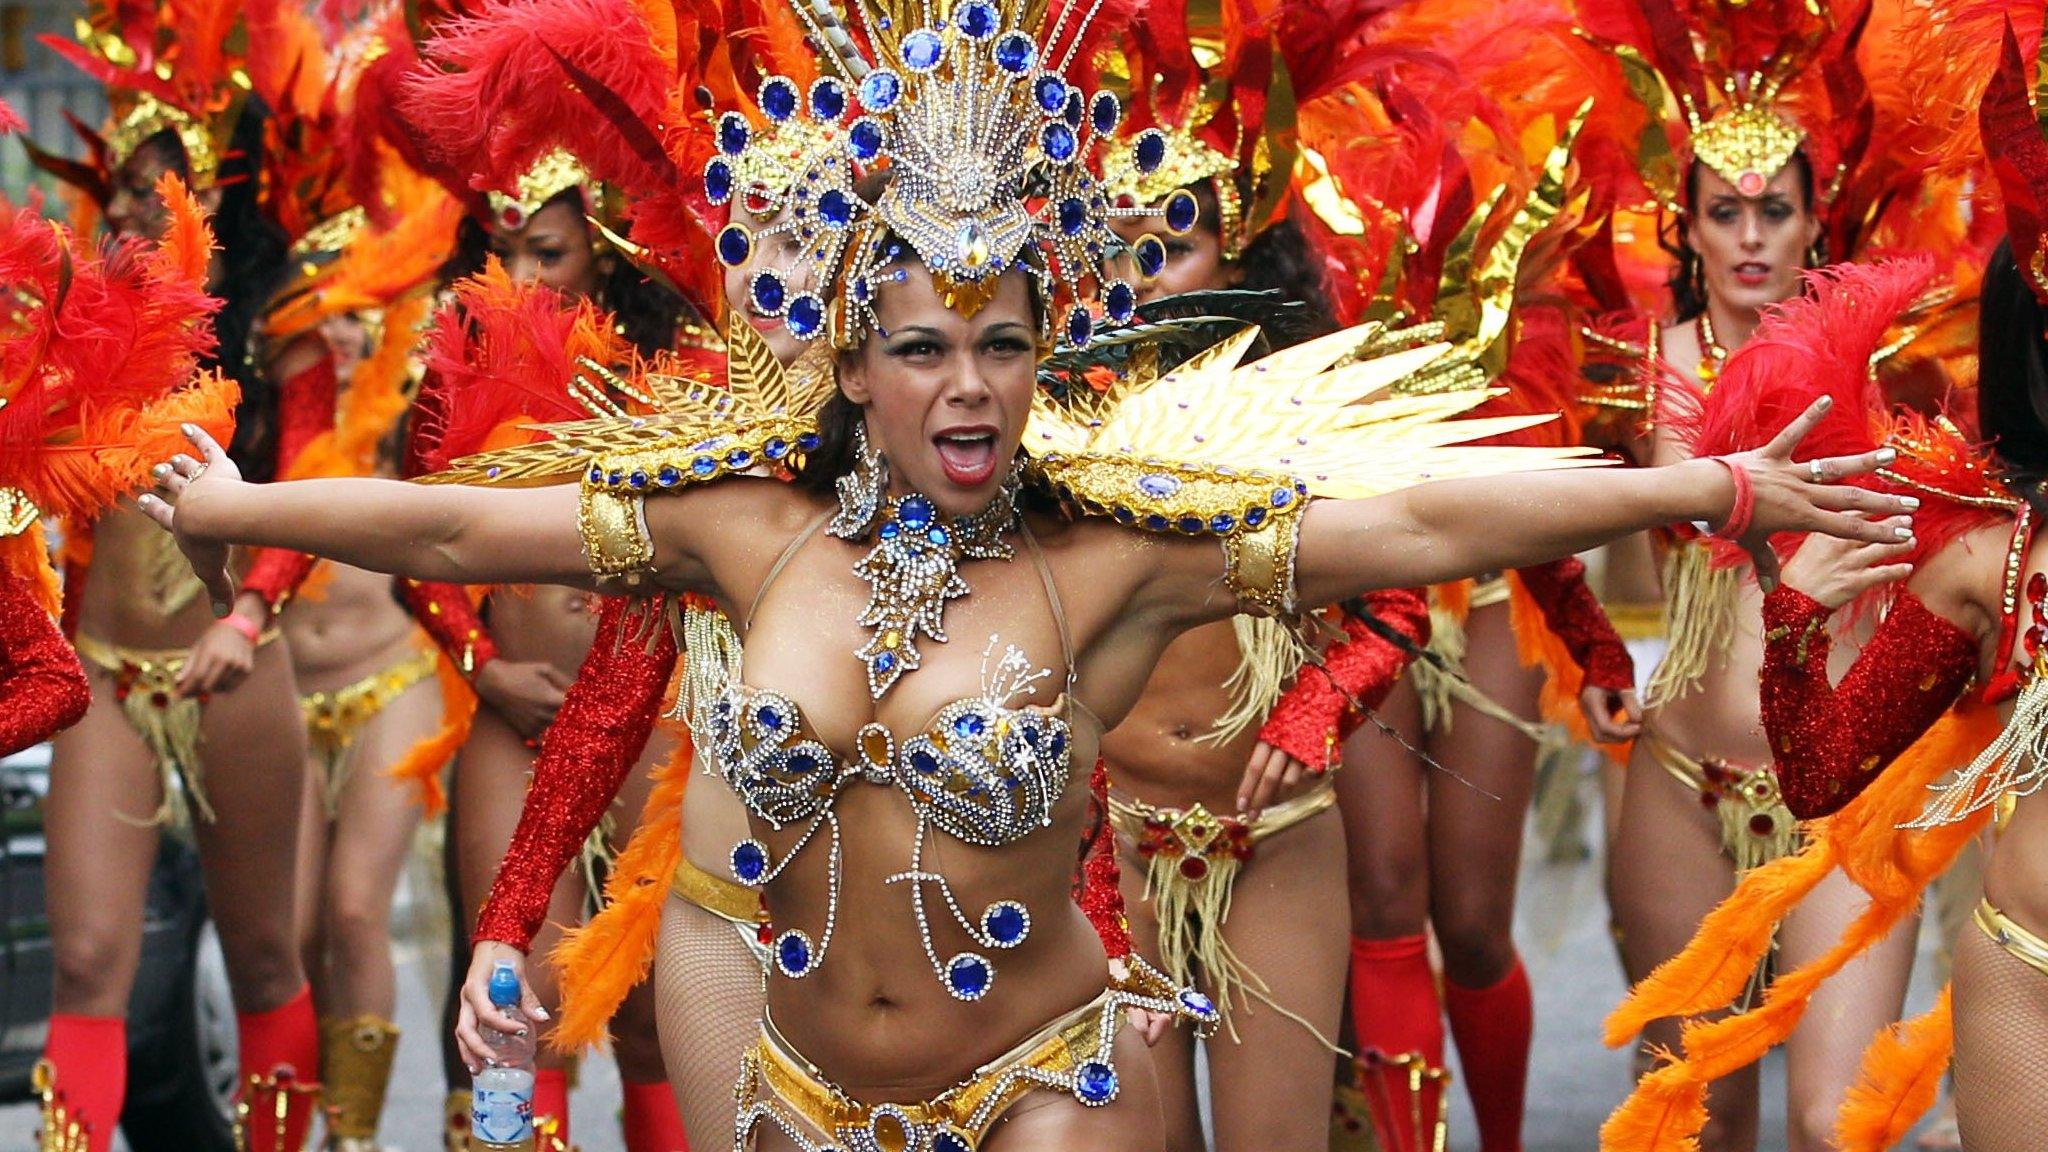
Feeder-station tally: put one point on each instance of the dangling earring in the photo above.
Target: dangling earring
(860, 490)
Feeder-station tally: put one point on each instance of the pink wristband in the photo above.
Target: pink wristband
(1736, 526)
(247, 627)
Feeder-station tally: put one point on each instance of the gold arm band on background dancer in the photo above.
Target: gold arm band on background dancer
(2017, 940)
(146, 687)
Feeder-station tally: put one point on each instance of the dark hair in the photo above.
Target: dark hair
(647, 312)
(2012, 376)
(253, 263)
(1688, 281)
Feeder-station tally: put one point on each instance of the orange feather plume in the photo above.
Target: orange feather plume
(1899, 1080)
(373, 404)
(601, 962)
(423, 763)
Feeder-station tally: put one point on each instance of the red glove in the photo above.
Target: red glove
(1829, 743)
(305, 409)
(1324, 707)
(1574, 613)
(597, 736)
(1096, 887)
(42, 685)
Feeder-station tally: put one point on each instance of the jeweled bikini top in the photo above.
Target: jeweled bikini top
(980, 771)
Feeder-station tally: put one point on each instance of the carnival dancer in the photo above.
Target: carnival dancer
(903, 1010)
(195, 710)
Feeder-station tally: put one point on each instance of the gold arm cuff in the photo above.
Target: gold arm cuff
(615, 539)
(1258, 564)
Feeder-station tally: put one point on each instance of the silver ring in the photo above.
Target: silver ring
(1813, 469)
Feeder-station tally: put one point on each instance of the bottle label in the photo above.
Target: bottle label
(501, 1115)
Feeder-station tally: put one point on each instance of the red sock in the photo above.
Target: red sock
(89, 1057)
(1394, 1012)
(551, 1100)
(1492, 1027)
(652, 1122)
(286, 1038)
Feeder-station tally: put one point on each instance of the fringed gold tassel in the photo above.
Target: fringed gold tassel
(1190, 910)
(1269, 655)
(2015, 763)
(59, 1131)
(269, 1101)
(595, 861)
(1700, 604)
(711, 660)
(1396, 1090)
(1436, 676)
(1558, 811)
(168, 723)
(1899, 1080)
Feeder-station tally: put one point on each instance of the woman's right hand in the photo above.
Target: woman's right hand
(1834, 572)
(182, 482)
(526, 693)
(476, 1007)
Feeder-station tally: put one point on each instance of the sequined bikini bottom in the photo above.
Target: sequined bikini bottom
(1192, 860)
(146, 687)
(1073, 1054)
(2018, 941)
(1756, 827)
(335, 719)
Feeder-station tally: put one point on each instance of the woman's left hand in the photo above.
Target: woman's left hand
(180, 484)
(1151, 1025)
(1809, 496)
(1600, 706)
(1268, 773)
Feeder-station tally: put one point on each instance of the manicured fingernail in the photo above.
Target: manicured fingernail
(160, 471)
(190, 429)
(1887, 455)
(540, 1013)
(1903, 533)
(1827, 402)
(1909, 502)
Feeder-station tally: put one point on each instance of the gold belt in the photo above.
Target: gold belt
(335, 719)
(723, 898)
(1637, 621)
(1756, 827)
(2022, 944)
(1197, 837)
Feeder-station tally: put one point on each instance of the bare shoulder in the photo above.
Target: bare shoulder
(1108, 569)
(722, 535)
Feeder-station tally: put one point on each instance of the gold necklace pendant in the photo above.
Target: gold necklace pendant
(1713, 357)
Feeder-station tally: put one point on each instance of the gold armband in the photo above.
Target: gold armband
(614, 527)
(1258, 563)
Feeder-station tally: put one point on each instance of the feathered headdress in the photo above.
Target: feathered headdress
(2013, 132)
(173, 65)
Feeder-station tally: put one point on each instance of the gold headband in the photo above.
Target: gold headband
(1189, 161)
(546, 178)
(1746, 144)
(149, 116)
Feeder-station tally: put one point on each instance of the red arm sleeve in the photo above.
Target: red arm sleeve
(1574, 613)
(600, 731)
(1828, 743)
(1316, 715)
(305, 409)
(42, 685)
(445, 611)
(1098, 888)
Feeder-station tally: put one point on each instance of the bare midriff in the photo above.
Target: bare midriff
(343, 626)
(131, 558)
(543, 623)
(1158, 754)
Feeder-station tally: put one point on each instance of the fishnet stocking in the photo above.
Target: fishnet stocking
(708, 996)
(2001, 1065)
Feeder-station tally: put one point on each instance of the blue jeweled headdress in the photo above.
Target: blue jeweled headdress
(986, 145)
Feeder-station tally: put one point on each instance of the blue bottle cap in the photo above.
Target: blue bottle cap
(505, 985)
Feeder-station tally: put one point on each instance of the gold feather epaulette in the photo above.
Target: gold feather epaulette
(693, 431)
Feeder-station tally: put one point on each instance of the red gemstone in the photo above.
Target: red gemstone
(1194, 867)
(1762, 824)
(160, 699)
(2037, 586)
(2036, 636)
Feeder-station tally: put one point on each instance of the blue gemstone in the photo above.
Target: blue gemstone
(1121, 302)
(1124, 515)
(738, 458)
(1282, 497)
(977, 18)
(1080, 327)
(596, 474)
(937, 536)
(1222, 523)
(1150, 150)
(1197, 1003)
(733, 134)
(1051, 94)
(1150, 253)
(1094, 1082)
(922, 760)
(735, 245)
(793, 953)
(1253, 517)
(703, 466)
(1073, 215)
(808, 442)
(885, 662)
(1005, 923)
(951, 1142)
(890, 531)
(767, 293)
(637, 480)
(1158, 485)
(828, 99)
(1072, 113)
(1181, 210)
(1156, 523)
(1059, 143)
(968, 976)
(749, 861)
(1016, 53)
(801, 763)
(915, 512)
(767, 717)
(669, 476)
(1106, 112)
(1059, 744)
(778, 98)
(879, 90)
(865, 139)
(614, 478)
(969, 725)
(1192, 525)
(806, 317)
(718, 181)
(922, 50)
(835, 208)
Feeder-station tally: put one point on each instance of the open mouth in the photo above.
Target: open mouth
(968, 455)
(1752, 274)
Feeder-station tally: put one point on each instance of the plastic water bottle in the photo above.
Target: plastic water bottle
(501, 1109)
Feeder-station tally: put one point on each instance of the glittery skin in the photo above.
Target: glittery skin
(1096, 887)
(1575, 615)
(1829, 743)
(1315, 716)
(598, 734)
(443, 610)
(42, 685)
(305, 409)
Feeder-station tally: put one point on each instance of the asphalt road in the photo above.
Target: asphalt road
(1561, 930)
